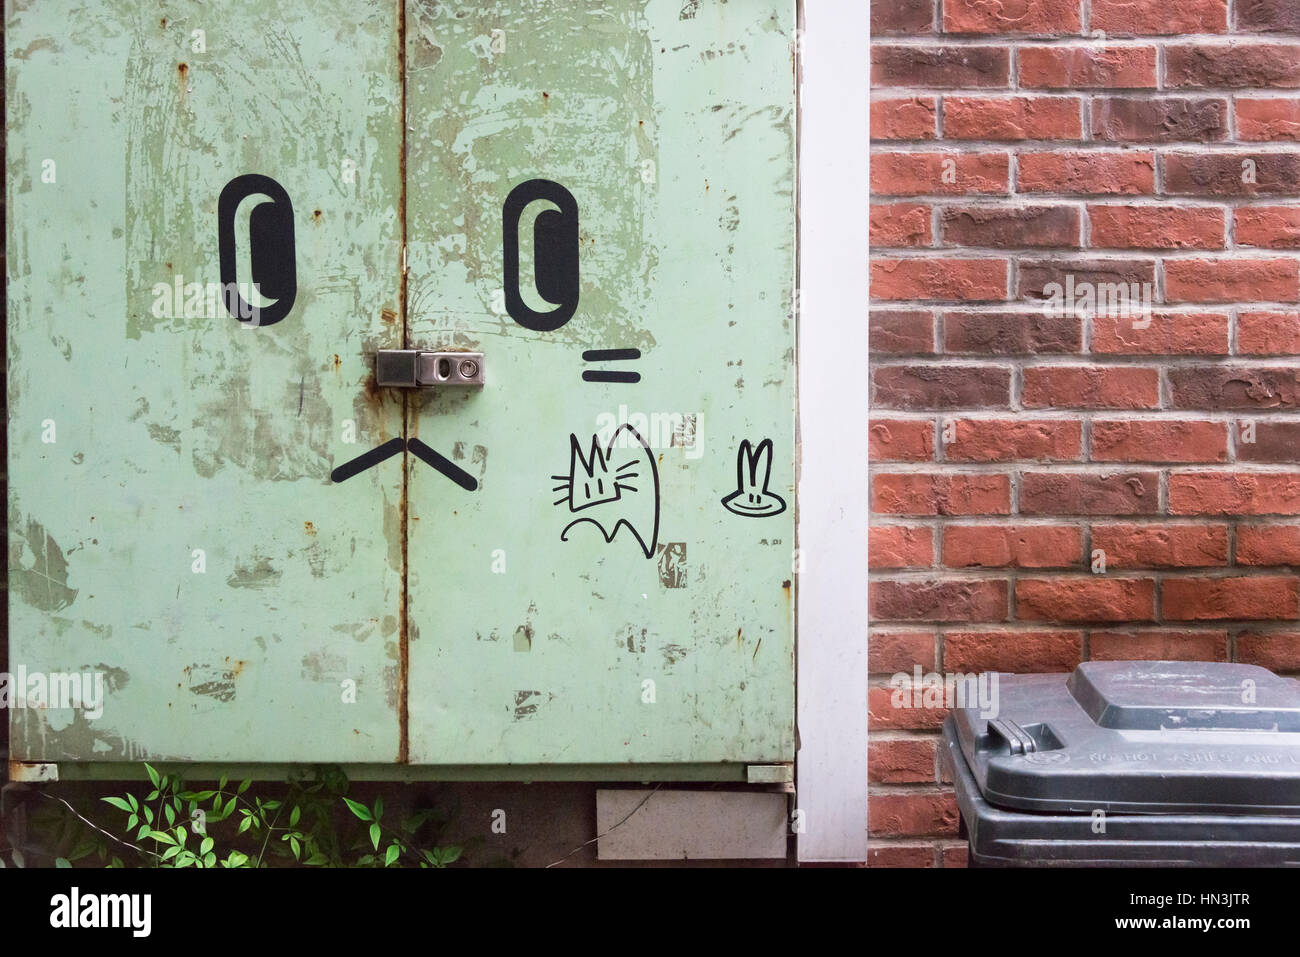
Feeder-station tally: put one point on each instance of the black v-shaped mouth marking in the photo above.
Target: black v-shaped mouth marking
(367, 460)
(443, 465)
(395, 447)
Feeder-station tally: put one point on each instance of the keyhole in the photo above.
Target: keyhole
(444, 368)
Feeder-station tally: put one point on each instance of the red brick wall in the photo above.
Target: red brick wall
(1016, 143)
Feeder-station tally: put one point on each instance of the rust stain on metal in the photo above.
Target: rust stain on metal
(402, 688)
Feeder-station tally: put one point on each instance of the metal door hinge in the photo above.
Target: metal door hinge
(417, 369)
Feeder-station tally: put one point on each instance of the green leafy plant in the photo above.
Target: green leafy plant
(308, 824)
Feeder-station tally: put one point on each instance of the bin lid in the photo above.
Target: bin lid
(1138, 736)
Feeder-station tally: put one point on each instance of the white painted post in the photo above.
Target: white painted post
(832, 356)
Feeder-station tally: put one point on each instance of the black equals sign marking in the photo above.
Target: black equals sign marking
(605, 355)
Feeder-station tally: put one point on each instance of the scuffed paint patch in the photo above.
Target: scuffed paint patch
(323, 666)
(634, 640)
(206, 681)
(527, 703)
(673, 654)
(38, 570)
(258, 573)
(524, 637)
(672, 564)
(166, 436)
(115, 679)
(391, 685)
(266, 439)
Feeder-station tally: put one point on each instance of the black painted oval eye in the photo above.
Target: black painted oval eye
(271, 249)
(555, 254)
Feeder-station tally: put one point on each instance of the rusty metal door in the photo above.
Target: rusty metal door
(594, 599)
(172, 524)
(215, 222)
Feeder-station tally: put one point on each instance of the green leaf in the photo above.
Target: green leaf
(142, 833)
(244, 786)
(119, 803)
(62, 862)
(130, 821)
(161, 836)
(379, 807)
(230, 806)
(134, 804)
(171, 815)
(148, 814)
(359, 809)
(209, 859)
(297, 848)
(221, 785)
(171, 852)
(152, 795)
(270, 805)
(206, 845)
(84, 849)
(412, 824)
(202, 795)
(374, 835)
(391, 855)
(153, 775)
(180, 834)
(236, 859)
(243, 825)
(294, 815)
(442, 856)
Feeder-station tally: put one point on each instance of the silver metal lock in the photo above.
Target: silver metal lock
(418, 369)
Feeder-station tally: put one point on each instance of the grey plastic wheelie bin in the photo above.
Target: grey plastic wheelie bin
(1131, 763)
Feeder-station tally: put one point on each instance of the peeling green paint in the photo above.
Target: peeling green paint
(162, 534)
(185, 512)
(675, 135)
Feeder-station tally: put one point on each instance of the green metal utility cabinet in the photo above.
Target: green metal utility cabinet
(409, 388)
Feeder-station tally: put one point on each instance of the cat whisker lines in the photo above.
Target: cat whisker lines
(610, 355)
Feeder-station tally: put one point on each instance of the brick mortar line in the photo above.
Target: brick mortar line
(1136, 572)
(1091, 468)
(1050, 40)
(957, 147)
(879, 679)
(1058, 519)
(1100, 360)
(1070, 255)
